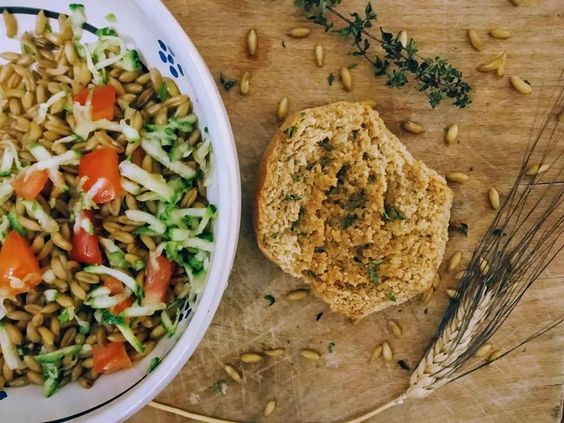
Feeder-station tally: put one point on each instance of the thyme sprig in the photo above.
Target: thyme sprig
(434, 76)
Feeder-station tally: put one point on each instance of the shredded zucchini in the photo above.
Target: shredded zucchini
(15, 223)
(153, 149)
(70, 157)
(41, 154)
(140, 216)
(118, 321)
(11, 357)
(58, 355)
(150, 181)
(44, 107)
(35, 210)
(142, 310)
(120, 276)
(4, 227)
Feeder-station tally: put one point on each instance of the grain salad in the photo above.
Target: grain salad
(105, 225)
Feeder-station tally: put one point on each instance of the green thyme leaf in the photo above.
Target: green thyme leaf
(331, 347)
(296, 223)
(330, 79)
(348, 221)
(355, 201)
(326, 145)
(227, 82)
(459, 226)
(392, 296)
(291, 131)
(392, 213)
(498, 232)
(293, 197)
(372, 270)
(219, 387)
(270, 299)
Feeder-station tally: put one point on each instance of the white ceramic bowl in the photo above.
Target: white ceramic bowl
(148, 26)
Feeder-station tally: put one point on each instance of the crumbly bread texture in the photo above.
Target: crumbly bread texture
(342, 204)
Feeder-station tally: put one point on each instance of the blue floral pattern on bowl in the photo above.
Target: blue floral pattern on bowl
(168, 58)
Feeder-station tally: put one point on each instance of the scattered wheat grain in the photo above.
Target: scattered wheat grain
(493, 195)
(319, 55)
(275, 352)
(387, 351)
(500, 33)
(299, 32)
(395, 328)
(233, 373)
(452, 293)
(252, 42)
(251, 357)
(500, 71)
(475, 40)
(376, 353)
(413, 127)
(537, 169)
(346, 78)
(282, 110)
(454, 260)
(245, 83)
(520, 85)
(269, 407)
(310, 354)
(451, 134)
(458, 177)
(297, 295)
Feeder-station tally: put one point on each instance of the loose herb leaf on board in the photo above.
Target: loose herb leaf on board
(227, 82)
(270, 299)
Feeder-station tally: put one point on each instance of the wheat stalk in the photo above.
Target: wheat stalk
(524, 238)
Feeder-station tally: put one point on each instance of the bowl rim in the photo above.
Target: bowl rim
(150, 386)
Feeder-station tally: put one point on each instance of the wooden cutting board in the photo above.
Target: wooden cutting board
(526, 386)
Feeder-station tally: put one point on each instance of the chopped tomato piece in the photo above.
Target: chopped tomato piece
(110, 357)
(102, 103)
(128, 302)
(113, 285)
(85, 247)
(30, 187)
(159, 272)
(98, 165)
(81, 96)
(19, 269)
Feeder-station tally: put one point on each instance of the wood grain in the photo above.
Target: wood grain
(527, 385)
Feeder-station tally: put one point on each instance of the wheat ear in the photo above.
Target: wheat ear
(524, 238)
